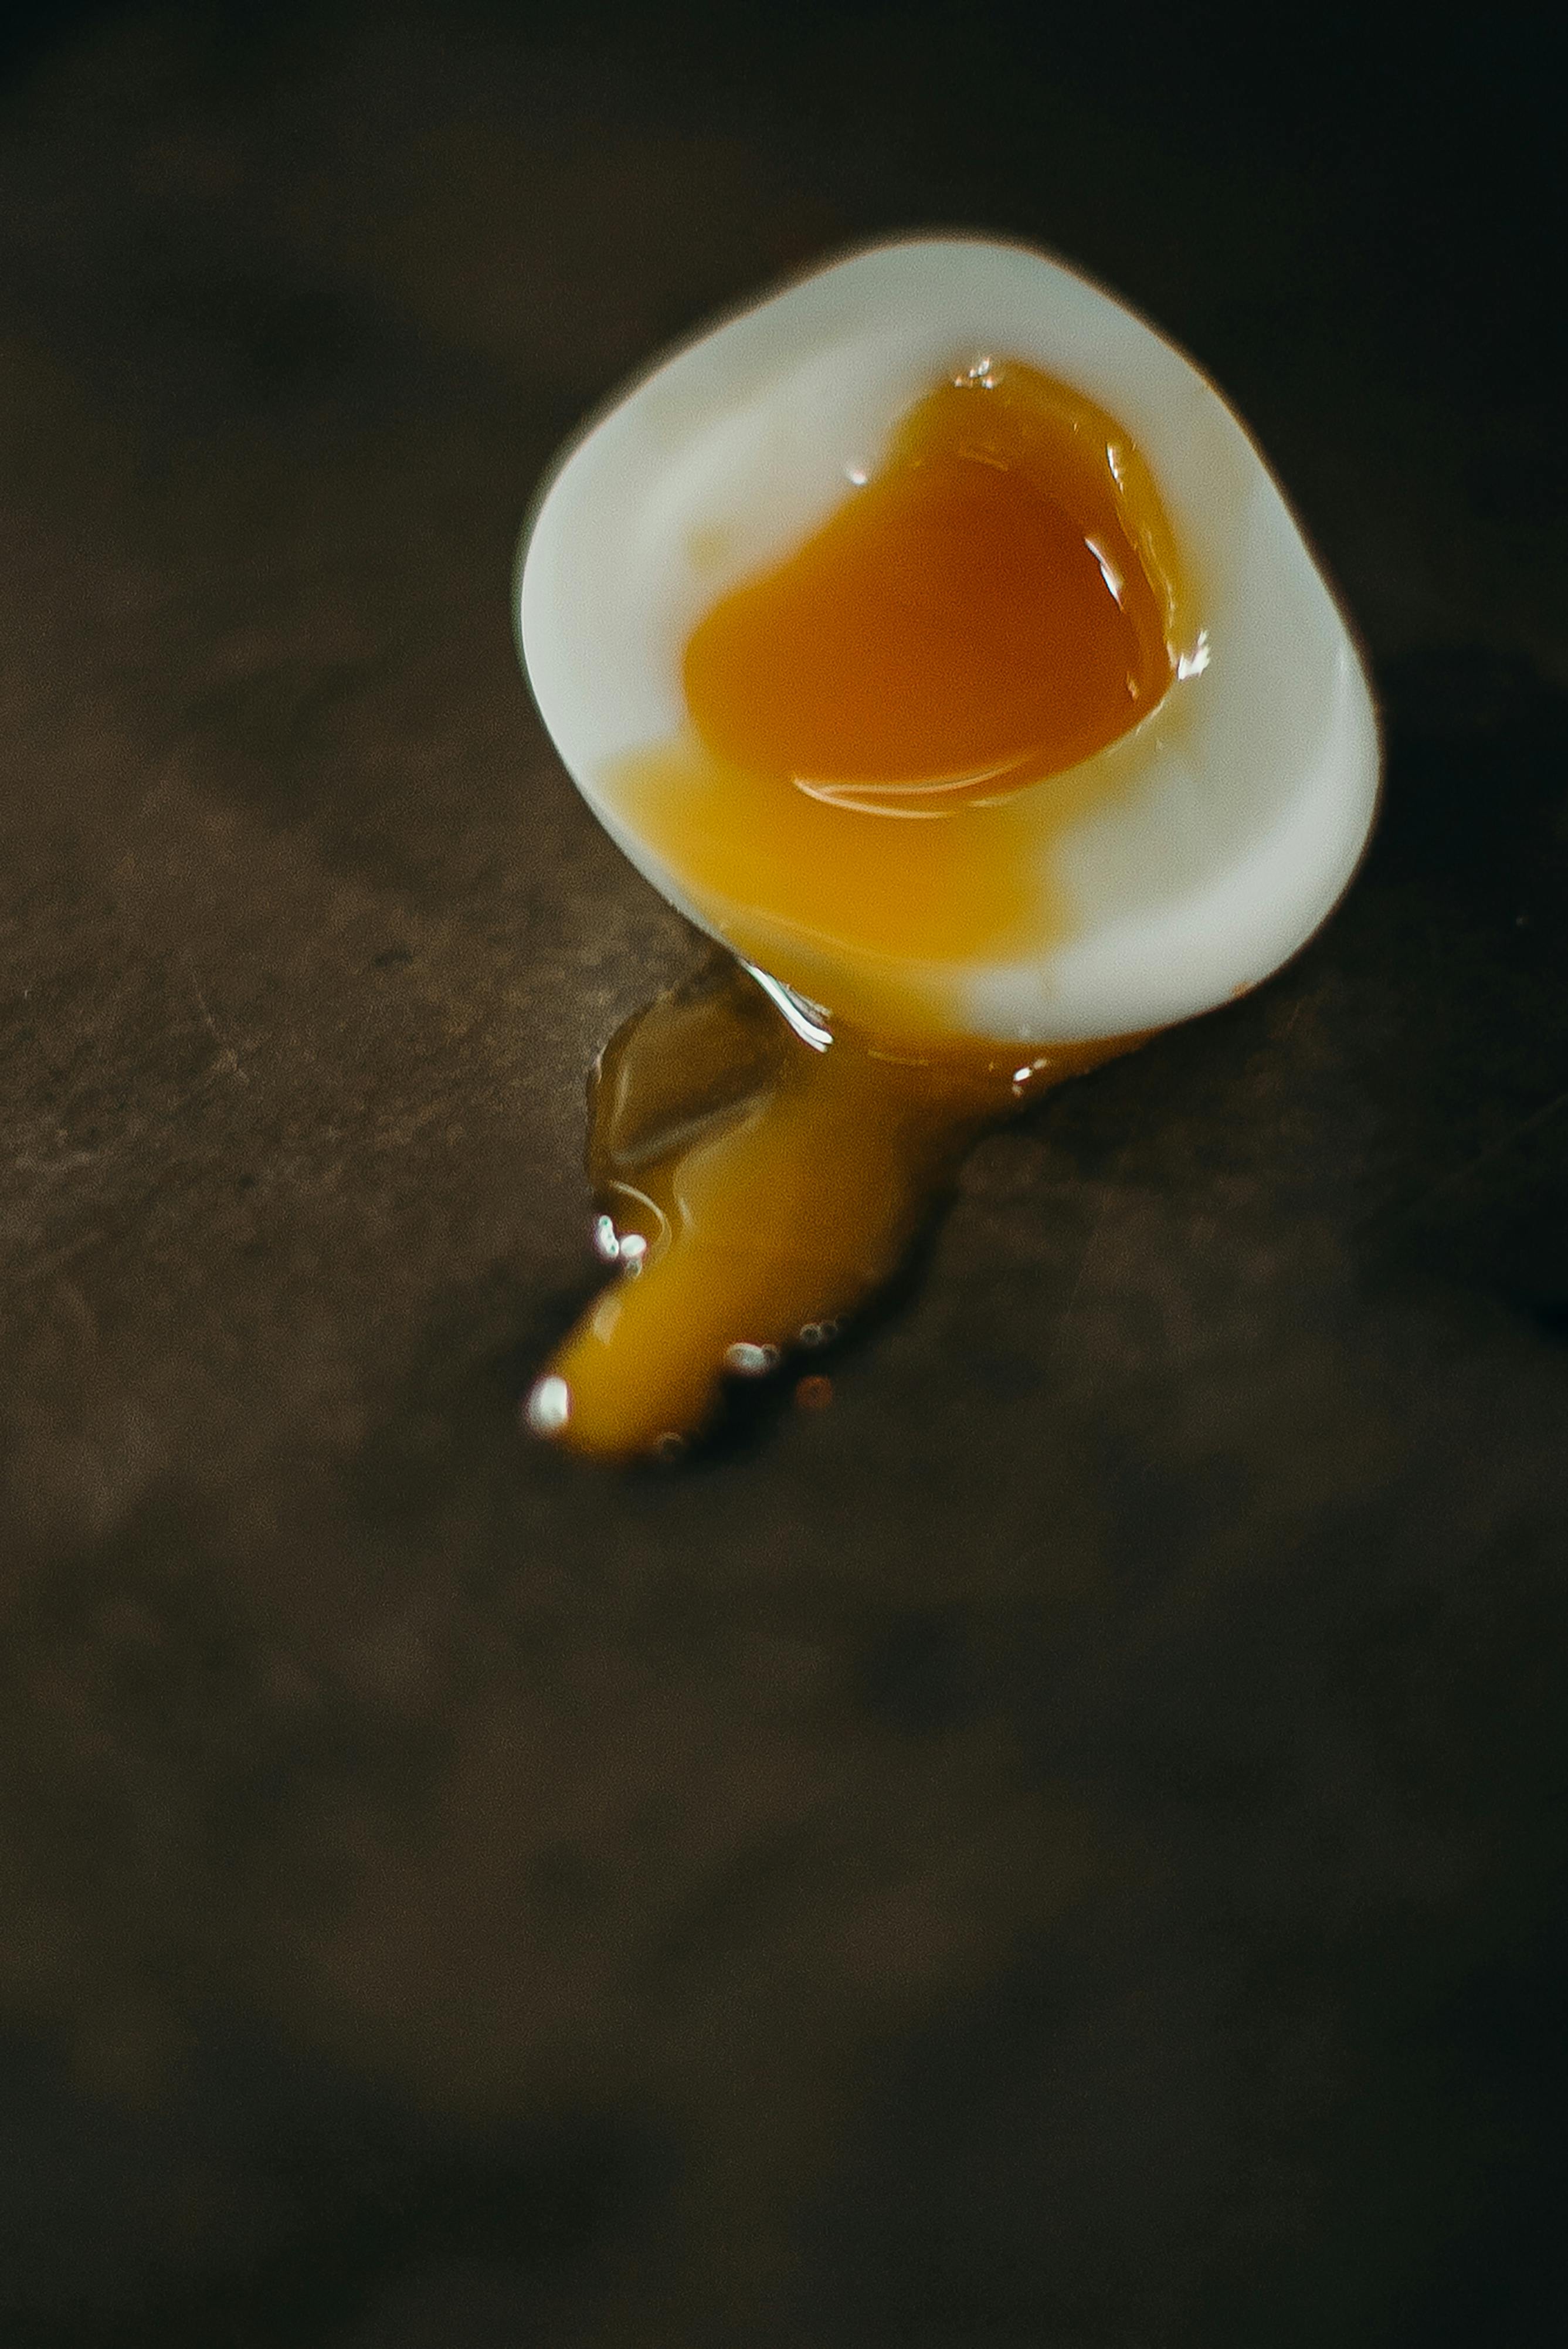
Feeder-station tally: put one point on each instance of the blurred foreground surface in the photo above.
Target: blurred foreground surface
(1064, 1847)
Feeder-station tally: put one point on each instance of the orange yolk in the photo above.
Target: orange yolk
(873, 724)
(977, 616)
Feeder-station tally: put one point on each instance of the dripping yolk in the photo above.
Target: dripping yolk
(885, 731)
(755, 1194)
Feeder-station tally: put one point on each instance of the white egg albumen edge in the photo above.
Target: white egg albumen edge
(1241, 802)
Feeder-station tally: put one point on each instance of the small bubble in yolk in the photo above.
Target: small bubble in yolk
(873, 723)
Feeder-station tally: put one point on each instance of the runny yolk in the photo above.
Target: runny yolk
(885, 731)
(979, 614)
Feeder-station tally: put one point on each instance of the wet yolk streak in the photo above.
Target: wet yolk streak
(873, 724)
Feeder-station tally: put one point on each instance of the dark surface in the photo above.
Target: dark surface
(1064, 1848)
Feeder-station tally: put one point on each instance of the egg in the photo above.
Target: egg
(933, 636)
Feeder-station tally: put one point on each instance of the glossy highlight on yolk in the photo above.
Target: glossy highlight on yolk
(884, 727)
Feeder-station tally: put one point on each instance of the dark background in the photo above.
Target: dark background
(1064, 1850)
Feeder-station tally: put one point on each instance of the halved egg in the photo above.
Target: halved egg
(933, 636)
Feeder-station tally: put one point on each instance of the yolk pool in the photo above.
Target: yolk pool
(881, 731)
(758, 1192)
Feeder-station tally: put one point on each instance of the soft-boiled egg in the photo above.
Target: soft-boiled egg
(933, 636)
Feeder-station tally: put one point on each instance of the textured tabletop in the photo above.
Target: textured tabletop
(1063, 1849)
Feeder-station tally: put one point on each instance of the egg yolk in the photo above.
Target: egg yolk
(979, 616)
(885, 730)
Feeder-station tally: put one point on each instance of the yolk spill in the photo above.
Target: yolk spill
(755, 1193)
(996, 605)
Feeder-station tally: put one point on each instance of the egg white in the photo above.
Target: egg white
(1233, 814)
